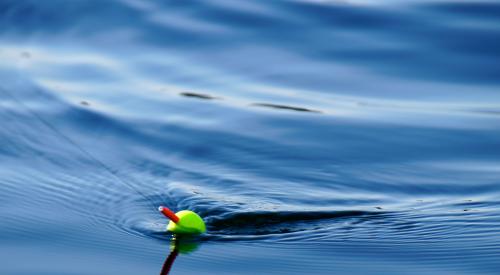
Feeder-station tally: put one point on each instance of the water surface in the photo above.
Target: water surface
(314, 137)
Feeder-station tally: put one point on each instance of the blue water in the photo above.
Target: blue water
(314, 137)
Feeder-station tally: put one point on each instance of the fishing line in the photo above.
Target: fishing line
(76, 145)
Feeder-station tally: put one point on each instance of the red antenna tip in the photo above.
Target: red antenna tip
(168, 213)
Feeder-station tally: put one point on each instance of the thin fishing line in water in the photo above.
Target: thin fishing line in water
(76, 145)
(184, 222)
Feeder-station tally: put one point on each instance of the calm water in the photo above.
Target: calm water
(313, 136)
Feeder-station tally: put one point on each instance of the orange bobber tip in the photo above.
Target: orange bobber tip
(168, 213)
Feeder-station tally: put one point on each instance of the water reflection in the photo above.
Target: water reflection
(178, 245)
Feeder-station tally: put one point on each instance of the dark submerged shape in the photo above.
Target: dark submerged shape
(285, 107)
(196, 95)
(267, 223)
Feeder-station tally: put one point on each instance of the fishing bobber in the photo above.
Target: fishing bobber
(183, 222)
